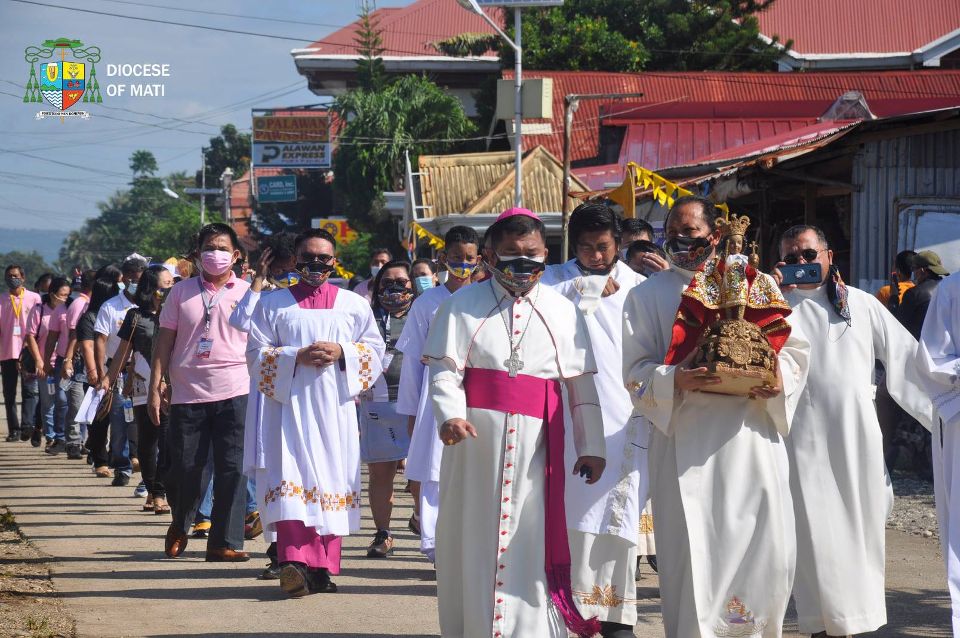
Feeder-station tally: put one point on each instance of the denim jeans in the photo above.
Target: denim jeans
(251, 495)
(48, 399)
(120, 436)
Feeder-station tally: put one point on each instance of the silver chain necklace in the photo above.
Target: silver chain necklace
(514, 364)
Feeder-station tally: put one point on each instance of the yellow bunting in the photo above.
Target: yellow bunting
(423, 233)
(663, 190)
(343, 272)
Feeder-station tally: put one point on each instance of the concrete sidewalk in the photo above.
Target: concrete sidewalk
(108, 566)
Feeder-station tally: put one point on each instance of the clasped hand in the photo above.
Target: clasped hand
(320, 354)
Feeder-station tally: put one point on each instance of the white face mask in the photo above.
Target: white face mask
(374, 270)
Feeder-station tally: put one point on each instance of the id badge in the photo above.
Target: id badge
(17, 331)
(203, 348)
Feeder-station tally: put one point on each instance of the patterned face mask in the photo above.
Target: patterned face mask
(286, 280)
(395, 298)
(688, 253)
(314, 273)
(461, 269)
(519, 274)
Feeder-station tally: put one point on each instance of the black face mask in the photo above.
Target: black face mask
(14, 282)
(685, 244)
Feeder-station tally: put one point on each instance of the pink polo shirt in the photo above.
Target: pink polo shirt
(11, 343)
(222, 375)
(76, 310)
(38, 324)
(58, 324)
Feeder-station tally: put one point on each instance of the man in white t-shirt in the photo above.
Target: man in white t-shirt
(109, 320)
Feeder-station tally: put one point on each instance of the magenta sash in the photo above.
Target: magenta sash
(539, 398)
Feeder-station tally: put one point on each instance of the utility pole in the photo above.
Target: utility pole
(518, 109)
(571, 103)
(203, 186)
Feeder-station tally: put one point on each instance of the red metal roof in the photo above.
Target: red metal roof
(408, 31)
(860, 26)
(777, 95)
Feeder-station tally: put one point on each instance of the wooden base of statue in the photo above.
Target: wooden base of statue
(736, 351)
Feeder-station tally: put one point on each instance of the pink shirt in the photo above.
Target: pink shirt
(76, 310)
(58, 323)
(221, 375)
(14, 312)
(39, 326)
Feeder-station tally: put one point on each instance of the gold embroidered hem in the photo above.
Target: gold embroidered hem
(329, 502)
(268, 371)
(646, 523)
(365, 356)
(604, 596)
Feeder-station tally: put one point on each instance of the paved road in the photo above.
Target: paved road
(109, 567)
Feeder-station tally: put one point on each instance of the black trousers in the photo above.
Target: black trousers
(97, 442)
(152, 448)
(11, 376)
(195, 429)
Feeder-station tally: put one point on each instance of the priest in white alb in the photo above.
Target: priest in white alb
(842, 493)
(938, 361)
(603, 519)
(312, 349)
(461, 258)
(499, 352)
(718, 466)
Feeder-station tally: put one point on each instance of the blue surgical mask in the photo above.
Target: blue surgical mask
(121, 285)
(132, 289)
(422, 283)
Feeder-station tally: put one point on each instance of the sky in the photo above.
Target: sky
(53, 173)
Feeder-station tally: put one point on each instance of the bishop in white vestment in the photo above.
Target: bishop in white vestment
(498, 357)
(842, 493)
(303, 441)
(604, 518)
(938, 361)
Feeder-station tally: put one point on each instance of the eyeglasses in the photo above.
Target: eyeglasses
(386, 283)
(808, 255)
(325, 259)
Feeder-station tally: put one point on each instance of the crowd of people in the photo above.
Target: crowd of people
(542, 415)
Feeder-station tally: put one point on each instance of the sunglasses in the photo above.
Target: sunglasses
(808, 255)
(386, 283)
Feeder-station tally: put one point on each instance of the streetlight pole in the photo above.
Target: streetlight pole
(474, 7)
(518, 109)
(571, 103)
(203, 186)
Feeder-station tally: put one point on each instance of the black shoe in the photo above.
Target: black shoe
(271, 572)
(652, 561)
(35, 437)
(615, 630)
(294, 579)
(56, 448)
(319, 581)
(120, 480)
(74, 453)
(25, 434)
(13, 436)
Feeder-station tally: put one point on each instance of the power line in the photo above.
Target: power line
(199, 26)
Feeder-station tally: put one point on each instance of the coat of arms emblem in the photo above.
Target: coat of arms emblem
(63, 82)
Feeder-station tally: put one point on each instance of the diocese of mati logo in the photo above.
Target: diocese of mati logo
(62, 82)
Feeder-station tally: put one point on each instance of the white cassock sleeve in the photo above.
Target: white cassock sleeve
(446, 368)
(272, 365)
(794, 362)
(896, 348)
(410, 344)
(938, 356)
(588, 437)
(362, 362)
(242, 315)
(649, 380)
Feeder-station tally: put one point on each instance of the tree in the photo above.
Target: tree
(141, 218)
(371, 73)
(411, 114)
(143, 164)
(33, 264)
(650, 35)
(231, 149)
(315, 198)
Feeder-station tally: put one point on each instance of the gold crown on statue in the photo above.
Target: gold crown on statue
(734, 225)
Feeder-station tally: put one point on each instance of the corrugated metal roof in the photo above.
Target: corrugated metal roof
(860, 26)
(887, 93)
(408, 31)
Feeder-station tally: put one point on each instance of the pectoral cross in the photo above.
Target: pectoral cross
(513, 364)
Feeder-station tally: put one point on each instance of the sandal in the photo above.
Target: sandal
(148, 506)
(160, 506)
